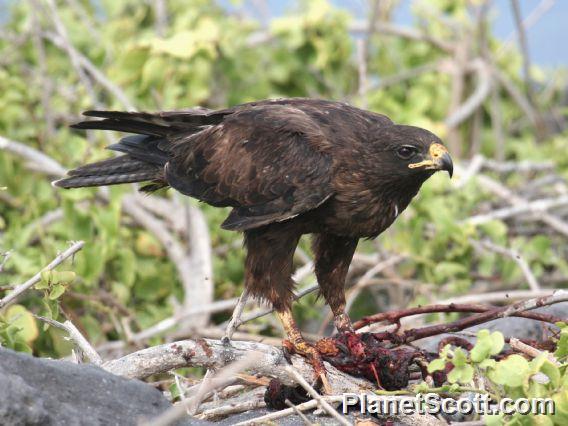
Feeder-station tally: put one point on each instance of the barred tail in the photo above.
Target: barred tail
(123, 169)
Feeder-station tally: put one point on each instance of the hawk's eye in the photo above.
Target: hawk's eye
(406, 151)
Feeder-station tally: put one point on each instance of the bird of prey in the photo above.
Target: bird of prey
(286, 167)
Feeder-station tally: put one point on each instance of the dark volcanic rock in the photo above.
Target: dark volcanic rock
(35, 391)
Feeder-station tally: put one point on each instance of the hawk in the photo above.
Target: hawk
(286, 167)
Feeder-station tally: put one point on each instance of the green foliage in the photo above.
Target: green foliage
(513, 376)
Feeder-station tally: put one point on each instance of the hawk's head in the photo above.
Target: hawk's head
(413, 154)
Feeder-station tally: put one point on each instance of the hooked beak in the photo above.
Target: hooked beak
(438, 159)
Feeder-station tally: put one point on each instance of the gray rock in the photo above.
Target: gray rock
(36, 391)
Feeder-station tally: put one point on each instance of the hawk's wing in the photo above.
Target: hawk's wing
(269, 162)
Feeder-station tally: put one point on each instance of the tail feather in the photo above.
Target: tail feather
(102, 180)
(128, 126)
(146, 152)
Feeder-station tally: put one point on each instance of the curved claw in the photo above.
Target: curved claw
(301, 347)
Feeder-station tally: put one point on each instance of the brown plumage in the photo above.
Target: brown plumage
(287, 167)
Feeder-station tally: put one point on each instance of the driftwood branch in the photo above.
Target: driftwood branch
(215, 354)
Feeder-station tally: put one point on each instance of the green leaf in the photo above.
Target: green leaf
(463, 374)
(56, 291)
(23, 321)
(511, 371)
(436, 365)
(460, 358)
(487, 344)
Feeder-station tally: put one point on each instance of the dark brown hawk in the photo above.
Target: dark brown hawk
(287, 167)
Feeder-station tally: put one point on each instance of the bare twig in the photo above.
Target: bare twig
(40, 161)
(298, 413)
(533, 17)
(472, 103)
(399, 31)
(219, 380)
(5, 257)
(537, 207)
(160, 16)
(77, 338)
(419, 333)
(266, 419)
(85, 63)
(521, 35)
(530, 351)
(237, 312)
(512, 254)
(16, 292)
(313, 393)
(394, 317)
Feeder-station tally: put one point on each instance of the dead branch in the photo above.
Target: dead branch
(75, 335)
(17, 291)
(38, 159)
(512, 254)
(215, 354)
(361, 27)
(420, 333)
(482, 90)
(530, 351)
(313, 393)
(395, 316)
(218, 381)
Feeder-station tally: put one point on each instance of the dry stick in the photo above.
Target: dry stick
(538, 207)
(298, 413)
(514, 255)
(198, 289)
(533, 17)
(77, 338)
(5, 257)
(73, 54)
(219, 380)
(530, 351)
(176, 252)
(404, 75)
(75, 247)
(43, 162)
(362, 88)
(521, 35)
(225, 410)
(85, 63)
(313, 393)
(496, 296)
(388, 28)
(516, 95)
(395, 316)
(420, 333)
(160, 17)
(236, 317)
(467, 108)
(42, 72)
(289, 411)
(496, 115)
(213, 307)
(523, 166)
(263, 312)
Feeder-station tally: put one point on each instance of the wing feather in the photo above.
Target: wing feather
(270, 163)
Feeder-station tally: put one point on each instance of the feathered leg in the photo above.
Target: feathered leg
(268, 271)
(333, 255)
